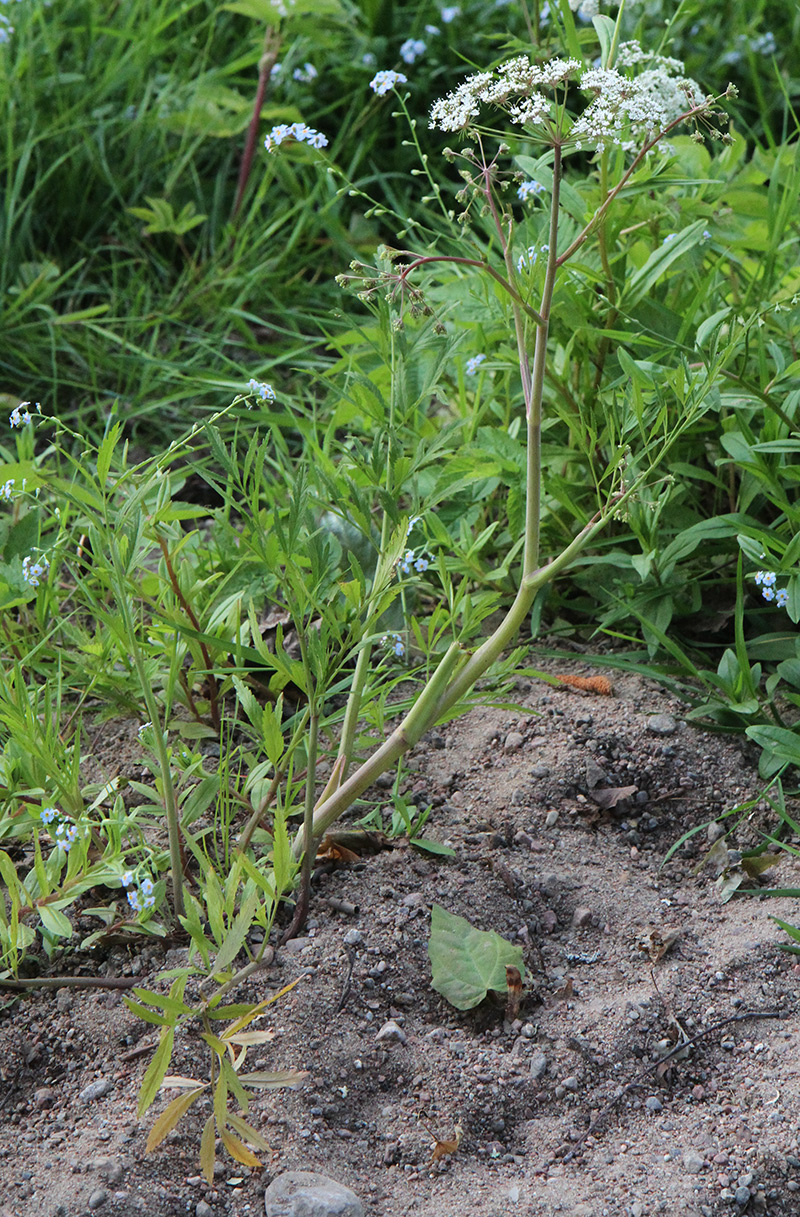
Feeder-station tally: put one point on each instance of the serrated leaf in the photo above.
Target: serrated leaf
(468, 962)
(249, 1133)
(237, 1149)
(207, 1146)
(156, 1070)
(234, 939)
(262, 1079)
(170, 1117)
(148, 1016)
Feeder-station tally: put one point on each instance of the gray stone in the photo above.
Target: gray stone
(96, 1090)
(201, 1209)
(391, 1031)
(99, 1196)
(63, 1000)
(551, 819)
(653, 1103)
(538, 1065)
(742, 1196)
(514, 740)
(353, 938)
(581, 917)
(309, 1194)
(662, 724)
(715, 831)
(693, 1162)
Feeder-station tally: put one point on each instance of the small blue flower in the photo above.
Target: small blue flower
(768, 578)
(382, 82)
(450, 13)
(49, 814)
(768, 593)
(529, 190)
(527, 260)
(706, 235)
(297, 131)
(407, 561)
(305, 74)
(128, 879)
(421, 564)
(33, 572)
(411, 49)
(782, 597)
(7, 489)
(395, 643)
(66, 835)
(147, 886)
(473, 364)
(669, 237)
(264, 391)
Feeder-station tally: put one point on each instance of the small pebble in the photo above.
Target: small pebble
(96, 1090)
(392, 1031)
(581, 917)
(742, 1196)
(693, 1162)
(514, 740)
(662, 724)
(202, 1209)
(538, 1065)
(551, 819)
(100, 1196)
(353, 938)
(653, 1104)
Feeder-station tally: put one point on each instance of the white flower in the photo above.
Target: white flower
(20, 417)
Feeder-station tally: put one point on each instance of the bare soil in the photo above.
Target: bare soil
(570, 1108)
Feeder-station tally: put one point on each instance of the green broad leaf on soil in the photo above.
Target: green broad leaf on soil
(466, 962)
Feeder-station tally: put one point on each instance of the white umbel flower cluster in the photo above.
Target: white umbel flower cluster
(626, 110)
(515, 87)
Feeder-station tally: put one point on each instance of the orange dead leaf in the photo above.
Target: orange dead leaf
(443, 1148)
(588, 684)
(514, 983)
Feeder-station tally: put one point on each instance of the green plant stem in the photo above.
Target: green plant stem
(413, 727)
(309, 837)
(170, 805)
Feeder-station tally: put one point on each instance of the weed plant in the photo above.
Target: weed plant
(590, 368)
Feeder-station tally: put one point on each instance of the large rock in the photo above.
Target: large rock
(309, 1194)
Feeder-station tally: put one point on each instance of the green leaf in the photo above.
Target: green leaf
(604, 28)
(56, 923)
(432, 847)
(154, 1076)
(467, 962)
(234, 939)
(170, 1117)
